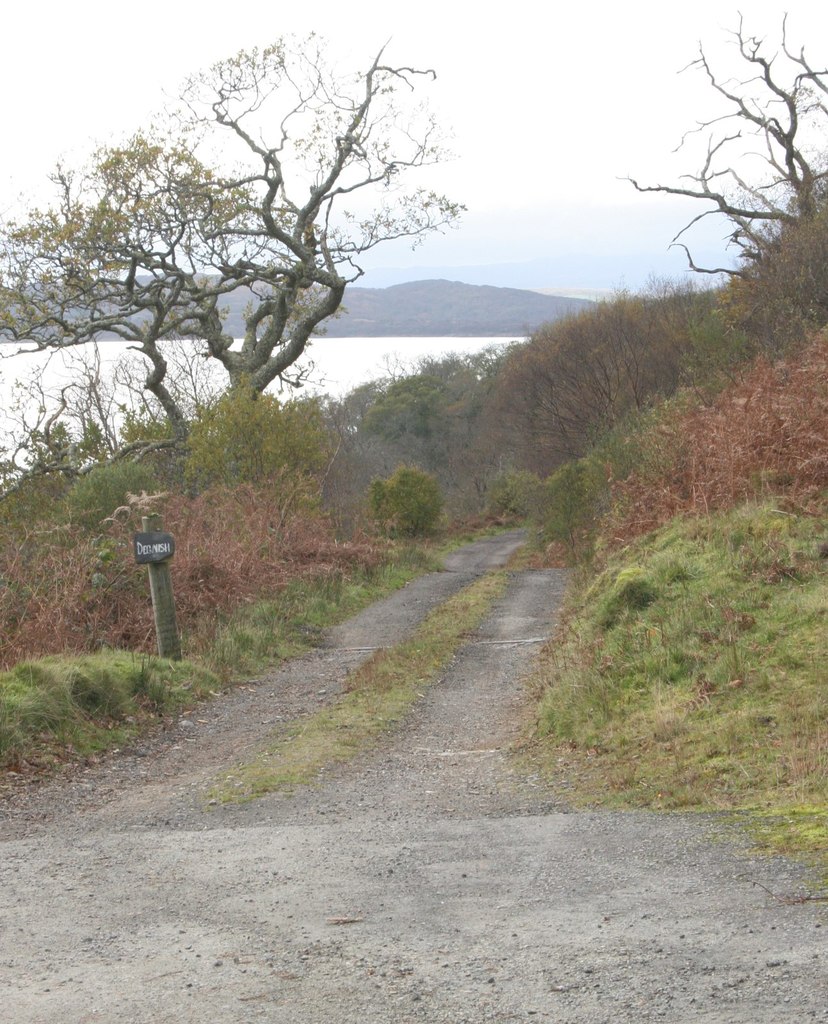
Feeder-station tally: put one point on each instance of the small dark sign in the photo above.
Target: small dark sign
(153, 547)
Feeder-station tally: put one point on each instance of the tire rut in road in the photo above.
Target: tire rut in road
(166, 773)
(407, 890)
(452, 754)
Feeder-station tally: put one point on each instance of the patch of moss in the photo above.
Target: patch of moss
(692, 669)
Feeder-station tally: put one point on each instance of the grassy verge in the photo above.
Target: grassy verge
(292, 622)
(71, 708)
(692, 675)
(378, 696)
(56, 709)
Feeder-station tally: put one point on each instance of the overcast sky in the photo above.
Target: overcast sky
(549, 111)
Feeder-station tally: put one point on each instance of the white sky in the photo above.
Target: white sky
(548, 108)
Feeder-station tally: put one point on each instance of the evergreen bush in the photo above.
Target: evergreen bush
(406, 504)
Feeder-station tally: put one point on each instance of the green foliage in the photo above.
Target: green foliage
(38, 501)
(718, 351)
(96, 495)
(87, 444)
(409, 406)
(138, 425)
(407, 504)
(52, 702)
(439, 418)
(784, 296)
(576, 495)
(250, 438)
(580, 494)
(516, 492)
(631, 591)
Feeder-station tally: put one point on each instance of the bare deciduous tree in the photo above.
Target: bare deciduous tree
(778, 116)
(275, 175)
(577, 378)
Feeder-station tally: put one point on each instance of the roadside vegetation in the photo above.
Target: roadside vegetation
(73, 707)
(691, 670)
(671, 445)
(57, 708)
(686, 477)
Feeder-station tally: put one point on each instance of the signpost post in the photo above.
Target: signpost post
(154, 549)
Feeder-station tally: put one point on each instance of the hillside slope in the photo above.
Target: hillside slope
(447, 308)
(692, 669)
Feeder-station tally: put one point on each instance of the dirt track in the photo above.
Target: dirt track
(428, 881)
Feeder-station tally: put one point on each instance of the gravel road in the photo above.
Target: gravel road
(428, 881)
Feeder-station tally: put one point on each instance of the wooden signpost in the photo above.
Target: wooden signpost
(154, 549)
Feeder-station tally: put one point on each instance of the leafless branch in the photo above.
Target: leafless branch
(151, 240)
(789, 120)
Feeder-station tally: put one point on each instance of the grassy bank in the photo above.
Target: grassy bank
(73, 707)
(57, 709)
(379, 694)
(292, 621)
(692, 674)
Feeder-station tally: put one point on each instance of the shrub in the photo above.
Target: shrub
(577, 495)
(516, 492)
(406, 504)
(783, 297)
(38, 503)
(252, 439)
(95, 496)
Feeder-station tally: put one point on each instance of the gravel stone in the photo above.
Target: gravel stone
(427, 881)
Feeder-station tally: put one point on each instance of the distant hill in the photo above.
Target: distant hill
(430, 309)
(605, 271)
(446, 309)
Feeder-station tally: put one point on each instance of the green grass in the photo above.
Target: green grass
(58, 707)
(73, 707)
(692, 674)
(379, 694)
(292, 622)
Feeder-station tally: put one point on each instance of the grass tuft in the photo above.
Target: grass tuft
(76, 706)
